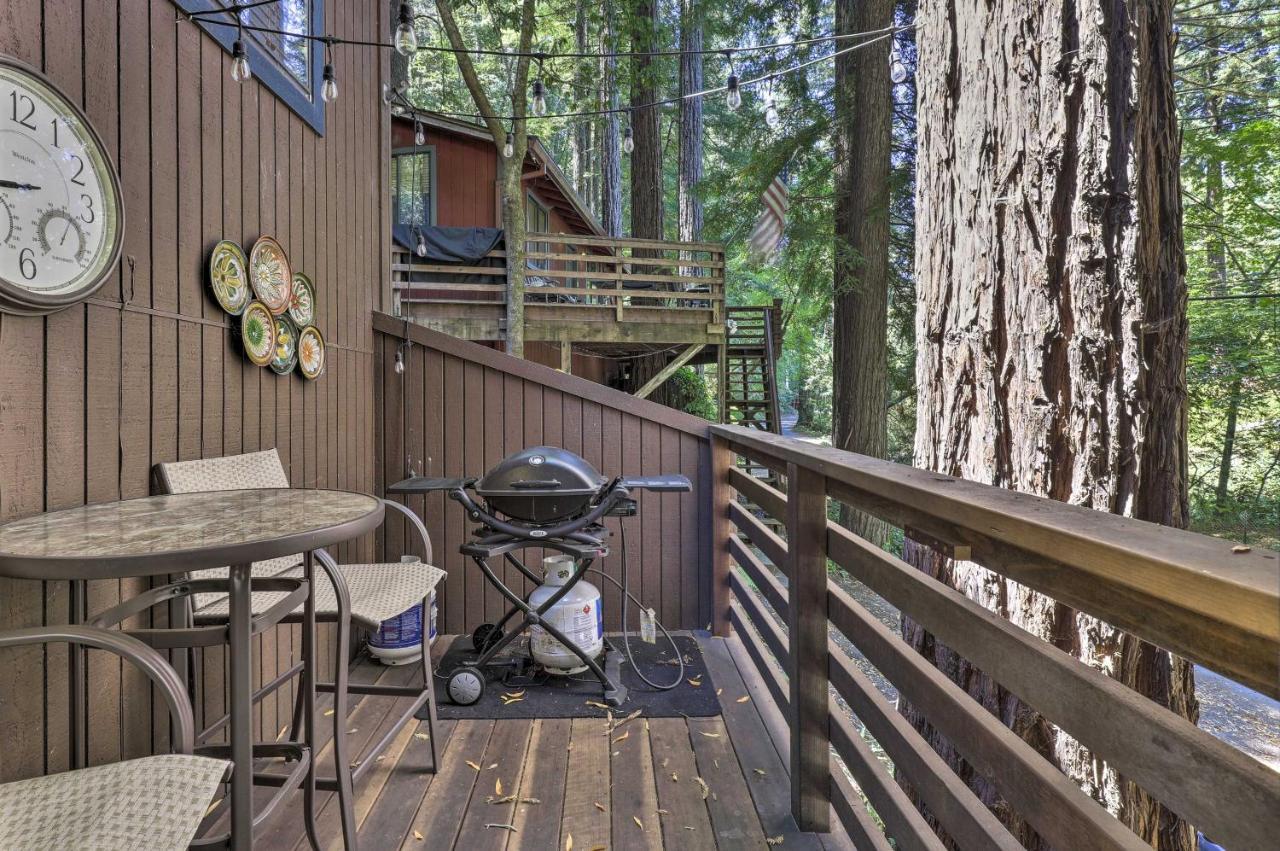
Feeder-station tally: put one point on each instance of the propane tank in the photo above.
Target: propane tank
(578, 615)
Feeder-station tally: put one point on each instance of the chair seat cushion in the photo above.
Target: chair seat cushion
(378, 591)
(154, 803)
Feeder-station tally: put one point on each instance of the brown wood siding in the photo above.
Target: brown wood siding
(459, 407)
(93, 396)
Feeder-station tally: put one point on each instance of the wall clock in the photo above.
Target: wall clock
(61, 214)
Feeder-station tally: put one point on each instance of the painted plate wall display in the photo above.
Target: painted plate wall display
(229, 277)
(310, 352)
(271, 275)
(302, 306)
(286, 351)
(258, 333)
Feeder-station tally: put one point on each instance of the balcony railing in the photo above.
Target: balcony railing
(1213, 603)
(673, 289)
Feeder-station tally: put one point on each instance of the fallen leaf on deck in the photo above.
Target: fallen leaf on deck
(353, 731)
(1241, 548)
(639, 823)
(597, 704)
(212, 807)
(709, 735)
(675, 778)
(568, 842)
(492, 767)
(694, 681)
(706, 790)
(422, 736)
(474, 765)
(505, 799)
(283, 730)
(719, 692)
(417, 834)
(510, 827)
(599, 806)
(623, 736)
(744, 698)
(328, 712)
(497, 786)
(759, 771)
(664, 812)
(530, 801)
(380, 757)
(687, 827)
(773, 840)
(515, 693)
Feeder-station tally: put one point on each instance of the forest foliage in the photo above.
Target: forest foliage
(1228, 65)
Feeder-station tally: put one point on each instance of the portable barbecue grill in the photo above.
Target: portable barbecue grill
(548, 498)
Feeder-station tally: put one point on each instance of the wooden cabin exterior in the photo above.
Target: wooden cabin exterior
(456, 169)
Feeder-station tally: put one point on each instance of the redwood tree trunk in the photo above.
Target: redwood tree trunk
(862, 132)
(1051, 323)
(610, 153)
(690, 204)
(646, 122)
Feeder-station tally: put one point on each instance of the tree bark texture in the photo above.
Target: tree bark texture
(862, 131)
(1051, 318)
(646, 123)
(610, 151)
(690, 203)
(580, 154)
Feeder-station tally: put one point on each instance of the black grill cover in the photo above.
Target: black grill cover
(541, 485)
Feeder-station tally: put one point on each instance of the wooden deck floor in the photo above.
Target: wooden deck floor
(635, 788)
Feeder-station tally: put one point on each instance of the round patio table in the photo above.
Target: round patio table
(173, 534)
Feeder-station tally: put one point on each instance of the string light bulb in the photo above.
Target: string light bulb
(733, 94)
(539, 98)
(628, 141)
(240, 70)
(421, 248)
(329, 88)
(771, 117)
(897, 71)
(419, 133)
(405, 40)
(399, 362)
(509, 147)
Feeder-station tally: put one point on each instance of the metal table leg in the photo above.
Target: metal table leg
(241, 674)
(309, 674)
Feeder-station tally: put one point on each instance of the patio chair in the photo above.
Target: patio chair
(365, 593)
(150, 804)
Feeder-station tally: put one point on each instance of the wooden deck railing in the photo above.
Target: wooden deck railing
(1197, 596)
(639, 279)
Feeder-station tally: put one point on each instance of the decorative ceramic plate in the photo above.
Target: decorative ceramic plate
(302, 306)
(229, 277)
(270, 274)
(310, 352)
(258, 333)
(286, 351)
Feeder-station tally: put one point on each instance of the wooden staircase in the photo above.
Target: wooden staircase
(749, 390)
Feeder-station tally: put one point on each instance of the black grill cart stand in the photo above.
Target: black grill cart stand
(551, 517)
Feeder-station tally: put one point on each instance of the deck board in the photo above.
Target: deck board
(569, 766)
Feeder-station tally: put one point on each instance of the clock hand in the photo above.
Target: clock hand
(13, 184)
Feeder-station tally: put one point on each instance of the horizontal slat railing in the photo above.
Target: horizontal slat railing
(1221, 790)
(570, 271)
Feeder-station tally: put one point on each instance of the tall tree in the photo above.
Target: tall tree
(580, 153)
(510, 170)
(862, 131)
(610, 154)
(1051, 322)
(646, 125)
(690, 203)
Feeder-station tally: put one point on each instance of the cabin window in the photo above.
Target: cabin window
(537, 220)
(413, 182)
(288, 65)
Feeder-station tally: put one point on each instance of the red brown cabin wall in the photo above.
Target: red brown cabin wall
(93, 396)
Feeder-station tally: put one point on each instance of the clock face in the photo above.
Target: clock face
(60, 211)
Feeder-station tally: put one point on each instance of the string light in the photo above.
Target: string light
(733, 94)
(405, 39)
(539, 98)
(897, 71)
(422, 243)
(240, 70)
(419, 133)
(628, 141)
(509, 147)
(328, 88)
(771, 118)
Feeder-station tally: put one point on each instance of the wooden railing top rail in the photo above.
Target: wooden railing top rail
(1204, 598)
(528, 370)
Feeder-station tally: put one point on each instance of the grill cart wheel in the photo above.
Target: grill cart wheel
(466, 686)
(485, 636)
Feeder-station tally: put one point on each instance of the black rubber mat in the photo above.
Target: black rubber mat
(537, 694)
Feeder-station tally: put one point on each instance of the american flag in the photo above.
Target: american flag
(766, 236)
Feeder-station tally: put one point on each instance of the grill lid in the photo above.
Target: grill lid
(541, 471)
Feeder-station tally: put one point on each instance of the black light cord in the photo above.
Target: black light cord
(626, 636)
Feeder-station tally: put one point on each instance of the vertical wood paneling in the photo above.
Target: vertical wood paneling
(151, 369)
(468, 410)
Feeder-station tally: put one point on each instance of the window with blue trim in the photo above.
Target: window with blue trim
(289, 66)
